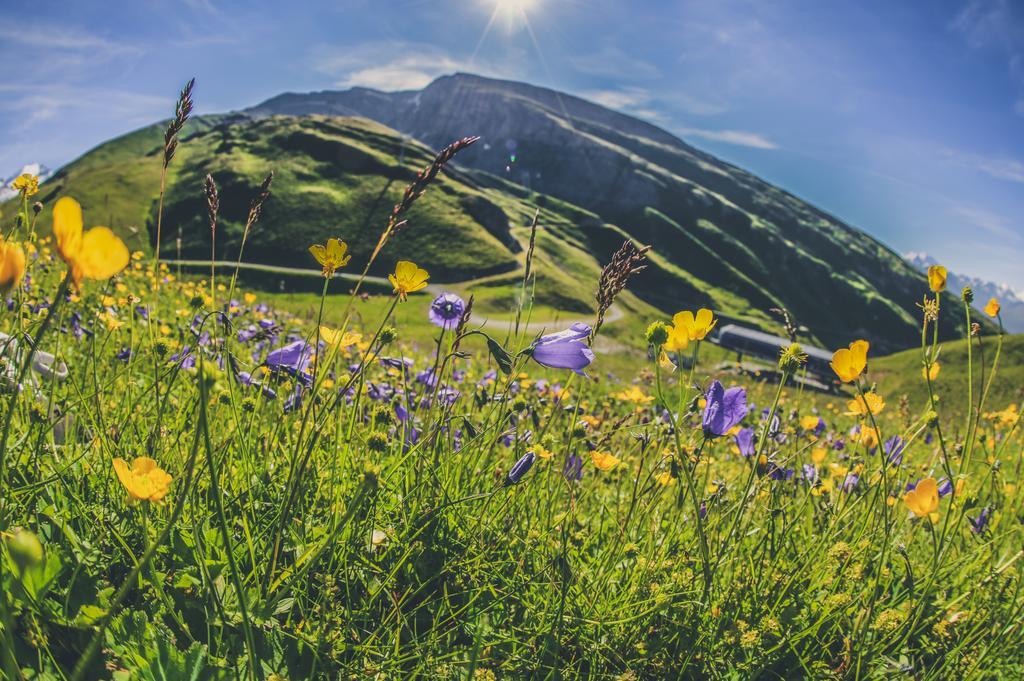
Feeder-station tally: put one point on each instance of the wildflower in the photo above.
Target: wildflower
(573, 468)
(932, 372)
(144, 479)
(331, 256)
(292, 359)
(1005, 418)
(992, 308)
(937, 278)
(12, 265)
(565, 350)
(979, 524)
(849, 363)
(810, 422)
(446, 311)
(791, 358)
(923, 499)
(603, 460)
(656, 334)
(26, 184)
(665, 478)
(868, 403)
(745, 442)
(893, 449)
(96, 254)
(335, 338)
(408, 278)
(520, 468)
(724, 409)
(687, 326)
(635, 395)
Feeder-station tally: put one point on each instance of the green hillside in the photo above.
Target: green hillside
(900, 374)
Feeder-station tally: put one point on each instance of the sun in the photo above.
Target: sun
(512, 14)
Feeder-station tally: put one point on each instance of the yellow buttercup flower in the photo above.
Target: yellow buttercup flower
(992, 308)
(603, 460)
(543, 452)
(144, 479)
(26, 183)
(931, 372)
(818, 454)
(937, 278)
(408, 278)
(12, 265)
(809, 422)
(924, 498)
(665, 478)
(868, 403)
(635, 395)
(849, 363)
(332, 256)
(334, 337)
(687, 326)
(96, 254)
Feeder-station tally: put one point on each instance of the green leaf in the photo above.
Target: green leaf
(500, 355)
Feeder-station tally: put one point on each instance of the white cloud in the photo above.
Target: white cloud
(996, 25)
(626, 98)
(999, 167)
(738, 137)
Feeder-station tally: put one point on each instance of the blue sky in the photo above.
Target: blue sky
(903, 118)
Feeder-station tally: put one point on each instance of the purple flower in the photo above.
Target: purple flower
(810, 472)
(124, 355)
(851, 482)
(893, 448)
(446, 311)
(745, 442)
(979, 524)
(520, 468)
(291, 359)
(573, 468)
(724, 409)
(945, 487)
(565, 350)
(185, 357)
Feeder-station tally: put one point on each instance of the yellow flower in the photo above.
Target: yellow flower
(335, 337)
(12, 265)
(249, 298)
(96, 254)
(665, 362)
(924, 498)
(633, 394)
(686, 327)
(543, 452)
(408, 278)
(868, 403)
(992, 308)
(603, 460)
(937, 278)
(1005, 418)
(332, 256)
(26, 183)
(931, 373)
(818, 454)
(849, 363)
(809, 422)
(869, 438)
(144, 480)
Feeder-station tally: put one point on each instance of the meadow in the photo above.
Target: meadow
(201, 481)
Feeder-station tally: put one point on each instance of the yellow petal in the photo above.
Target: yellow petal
(67, 227)
(102, 254)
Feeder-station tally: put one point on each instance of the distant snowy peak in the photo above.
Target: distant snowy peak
(37, 169)
(981, 287)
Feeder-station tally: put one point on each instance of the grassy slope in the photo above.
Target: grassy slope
(900, 374)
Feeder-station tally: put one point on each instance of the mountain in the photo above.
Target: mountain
(722, 238)
(37, 169)
(1011, 302)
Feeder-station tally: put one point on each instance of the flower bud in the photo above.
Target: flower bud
(792, 358)
(388, 335)
(967, 294)
(520, 468)
(656, 334)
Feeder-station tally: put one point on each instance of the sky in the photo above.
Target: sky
(905, 119)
